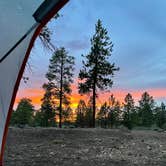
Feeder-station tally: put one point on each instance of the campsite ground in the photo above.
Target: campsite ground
(84, 147)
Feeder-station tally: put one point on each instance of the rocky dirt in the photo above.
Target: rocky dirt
(84, 147)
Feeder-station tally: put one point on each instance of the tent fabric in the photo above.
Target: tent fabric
(15, 20)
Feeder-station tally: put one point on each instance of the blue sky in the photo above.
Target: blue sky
(137, 29)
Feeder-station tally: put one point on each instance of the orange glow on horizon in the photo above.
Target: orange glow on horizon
(33, 94)
(36, 95)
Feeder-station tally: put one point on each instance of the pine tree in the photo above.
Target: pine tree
(103, 114)
(112, 100)
(89, 113)
(117, 113)
(67, 114)
(114, 111)
(146, 106)
(47, 113)
(97, 70)
(81, 111)
(128, 110)
(24, 112)
(60, 74)
(160, 116)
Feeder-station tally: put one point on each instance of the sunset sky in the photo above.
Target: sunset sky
(138, 31)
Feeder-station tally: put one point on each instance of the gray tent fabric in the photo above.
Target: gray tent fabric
(15, 20)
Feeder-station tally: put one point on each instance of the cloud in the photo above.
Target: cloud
(141, 66)
(77, 44)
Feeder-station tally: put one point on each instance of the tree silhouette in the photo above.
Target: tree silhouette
(89, 113)
(103, 114)
(24, 112)
(97, 70)
(67, 113)
(160, 116)
(128, 110)
(60, 74)
(146, 106)
(47, 113)
(114, 111)
(81, 111)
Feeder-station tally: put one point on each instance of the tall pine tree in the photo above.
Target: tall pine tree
(97, 69)
(60, 74)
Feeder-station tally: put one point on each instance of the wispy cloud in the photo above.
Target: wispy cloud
(77, 44)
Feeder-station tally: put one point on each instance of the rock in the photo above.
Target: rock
(149, 147)
(51, 153)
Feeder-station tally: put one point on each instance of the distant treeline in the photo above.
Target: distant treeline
(111, 114)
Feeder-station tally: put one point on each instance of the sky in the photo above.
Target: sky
(138, 32)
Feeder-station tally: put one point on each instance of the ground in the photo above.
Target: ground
(84, 147)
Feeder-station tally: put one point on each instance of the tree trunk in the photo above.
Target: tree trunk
(60, 110)
(61, 95)
(105, 121)
(94, 104)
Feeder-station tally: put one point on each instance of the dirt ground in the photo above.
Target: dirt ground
(84, 147)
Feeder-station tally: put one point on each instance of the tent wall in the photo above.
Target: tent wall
(16, 19)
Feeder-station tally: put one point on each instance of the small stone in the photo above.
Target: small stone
(149, 147)
(51, 153)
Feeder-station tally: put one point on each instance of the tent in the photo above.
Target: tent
(20, 24)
